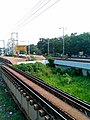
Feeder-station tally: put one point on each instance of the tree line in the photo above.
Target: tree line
(73, 43)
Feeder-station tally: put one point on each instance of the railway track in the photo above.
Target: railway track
(57, 104)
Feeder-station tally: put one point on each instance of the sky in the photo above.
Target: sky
(18, 16)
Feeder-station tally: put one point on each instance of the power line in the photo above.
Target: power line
(34, 12)
(27, 14)
(33, 15)
(39, 14)
(31, 12)
(37, 4)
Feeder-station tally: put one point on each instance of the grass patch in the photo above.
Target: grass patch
(68, 81)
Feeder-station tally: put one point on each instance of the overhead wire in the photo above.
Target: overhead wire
(33, 11)
(14, 27)
(33, 17)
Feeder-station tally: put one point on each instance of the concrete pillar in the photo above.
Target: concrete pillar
(84, 72)
(89, 71)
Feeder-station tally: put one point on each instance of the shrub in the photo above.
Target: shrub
(72, 71)
(56, 70)
(66, 79)
(32, 58)
(51, 62)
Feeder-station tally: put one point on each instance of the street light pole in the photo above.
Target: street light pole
(63, 41)
(3, 48)
(29, 50)
(48, 46)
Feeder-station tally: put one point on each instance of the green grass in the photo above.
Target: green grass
(8, 108)
(78, 86)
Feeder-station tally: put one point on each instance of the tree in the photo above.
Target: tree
(33, 49)
(55, 45)
(73, 44)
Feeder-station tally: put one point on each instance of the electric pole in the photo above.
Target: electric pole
(14, 39)
(63, 47)
(48, 46)
(3, 48)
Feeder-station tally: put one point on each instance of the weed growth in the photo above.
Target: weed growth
(66, 80)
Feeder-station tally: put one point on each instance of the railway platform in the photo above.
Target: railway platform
(13, 60)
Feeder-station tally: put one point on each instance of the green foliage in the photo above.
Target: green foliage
(72, 71)
(55, 46)
(51, 62)
(32, 58)
(69, 71)
(66, 80)
(34, 68)
(22, 67)
(56, 70)
(73, 44)
(22, 52)
(33, 49)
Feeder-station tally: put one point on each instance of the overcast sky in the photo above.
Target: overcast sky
(73, 15)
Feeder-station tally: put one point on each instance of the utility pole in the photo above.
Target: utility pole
(48, 46)
(14, 41)
(63, 41)
(3, 48)
(29, 50)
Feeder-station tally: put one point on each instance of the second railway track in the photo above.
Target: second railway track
(56, 103)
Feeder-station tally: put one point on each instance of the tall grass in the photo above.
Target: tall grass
(66, 80)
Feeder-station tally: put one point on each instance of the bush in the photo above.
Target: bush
(32, 58)
(62, 79)
(51, 62)
(66, 79)
(56, 70)
(72, 71)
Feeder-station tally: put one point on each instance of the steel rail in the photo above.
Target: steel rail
(77, 103)
(73, 101)
(54, 110)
